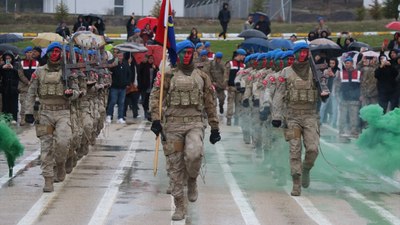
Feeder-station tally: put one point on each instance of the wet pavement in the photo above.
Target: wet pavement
(114, 184)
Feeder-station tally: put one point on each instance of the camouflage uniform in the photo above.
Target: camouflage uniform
(241, 81)
(217, 79)
(187, 97)
(234, 96)
(54, 130)
(368, 84)
(27, 68)
(295, 103)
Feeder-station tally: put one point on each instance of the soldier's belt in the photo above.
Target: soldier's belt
(55, 107)
(184, 119)
(302, 111)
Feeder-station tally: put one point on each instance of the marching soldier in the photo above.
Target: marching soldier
(295, 104)
(217, 79)
(234, 96)
(54, 131)
(188, 94)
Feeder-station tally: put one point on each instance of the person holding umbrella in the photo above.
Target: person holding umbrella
(263, 24)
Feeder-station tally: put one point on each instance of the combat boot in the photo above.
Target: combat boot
(69, 164)
(61, 171)
(305, 178)
(296, 190)
(221, 109)
(48, 184)
(229, 122)
(192, 190)
(179, 213)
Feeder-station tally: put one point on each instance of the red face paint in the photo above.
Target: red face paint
(186, 56)
(55, 55)
(303, 55)
(290, 60)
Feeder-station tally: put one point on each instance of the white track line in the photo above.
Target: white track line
(309, 209)
(104, 207)
(247, 212)
(381, 211)
(19, 167)
(41, 205)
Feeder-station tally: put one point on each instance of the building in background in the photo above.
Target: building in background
(110, 7)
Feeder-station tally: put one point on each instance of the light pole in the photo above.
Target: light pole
(6, 6)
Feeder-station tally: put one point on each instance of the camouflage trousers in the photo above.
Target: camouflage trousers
(77, 131)
(102, 113)
(348, 114)
(87, 128)
(184, 153)
(246, 124)
(55, 134)
(256, 125)
(369, 100)
(234, 103)
(220, 94)
(22, 97)
(300, 127)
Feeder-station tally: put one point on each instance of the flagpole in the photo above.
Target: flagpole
(155, 164)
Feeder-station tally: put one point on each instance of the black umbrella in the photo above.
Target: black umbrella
(356, 46)
(325, 45)
(256, 17)
(91, 17)
(9, 38)
(7, 47)
(252, 33)
(255, 45)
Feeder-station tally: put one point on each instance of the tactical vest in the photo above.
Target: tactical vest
(235, 66)
(51, 83)
(301, 94)
(29, 67)
(186, 91)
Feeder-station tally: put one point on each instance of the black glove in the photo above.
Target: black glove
(242, 90)
(264, 114)
(256, 102)
(156, 127)
(276, 123)
(29, 118)
(246, 103)
(237, 85)
(36, 106)
(215, 137)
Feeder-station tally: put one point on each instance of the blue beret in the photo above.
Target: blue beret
(268, 55)
(261, 56)
(248, 58)
(320, 18)
(278, 55)
(136, 30)
(348, 59)
(219, 55)
(183, 44)
(287, 54)
(207, 44)
(198, 45)
(203, 52)
(240, 51)
(300, 45)
(53, 46)
(28, 49)
(255, 56)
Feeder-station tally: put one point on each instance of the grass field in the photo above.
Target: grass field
(227, 47)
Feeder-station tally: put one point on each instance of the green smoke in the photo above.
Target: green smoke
(381, 139)
(9, 143)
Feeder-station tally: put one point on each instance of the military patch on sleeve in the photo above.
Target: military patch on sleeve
(265, 82)
(249, 78)
(272, 79)
(212, 87)
(34, 76)
(281, 79)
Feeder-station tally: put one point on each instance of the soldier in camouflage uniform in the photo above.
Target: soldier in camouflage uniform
(188, 94)
(203, 63)
(241, 80)
(217, 79)
(234, 96)
(368, 82)
(250, 102)
(54, 130)
(296, 99)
